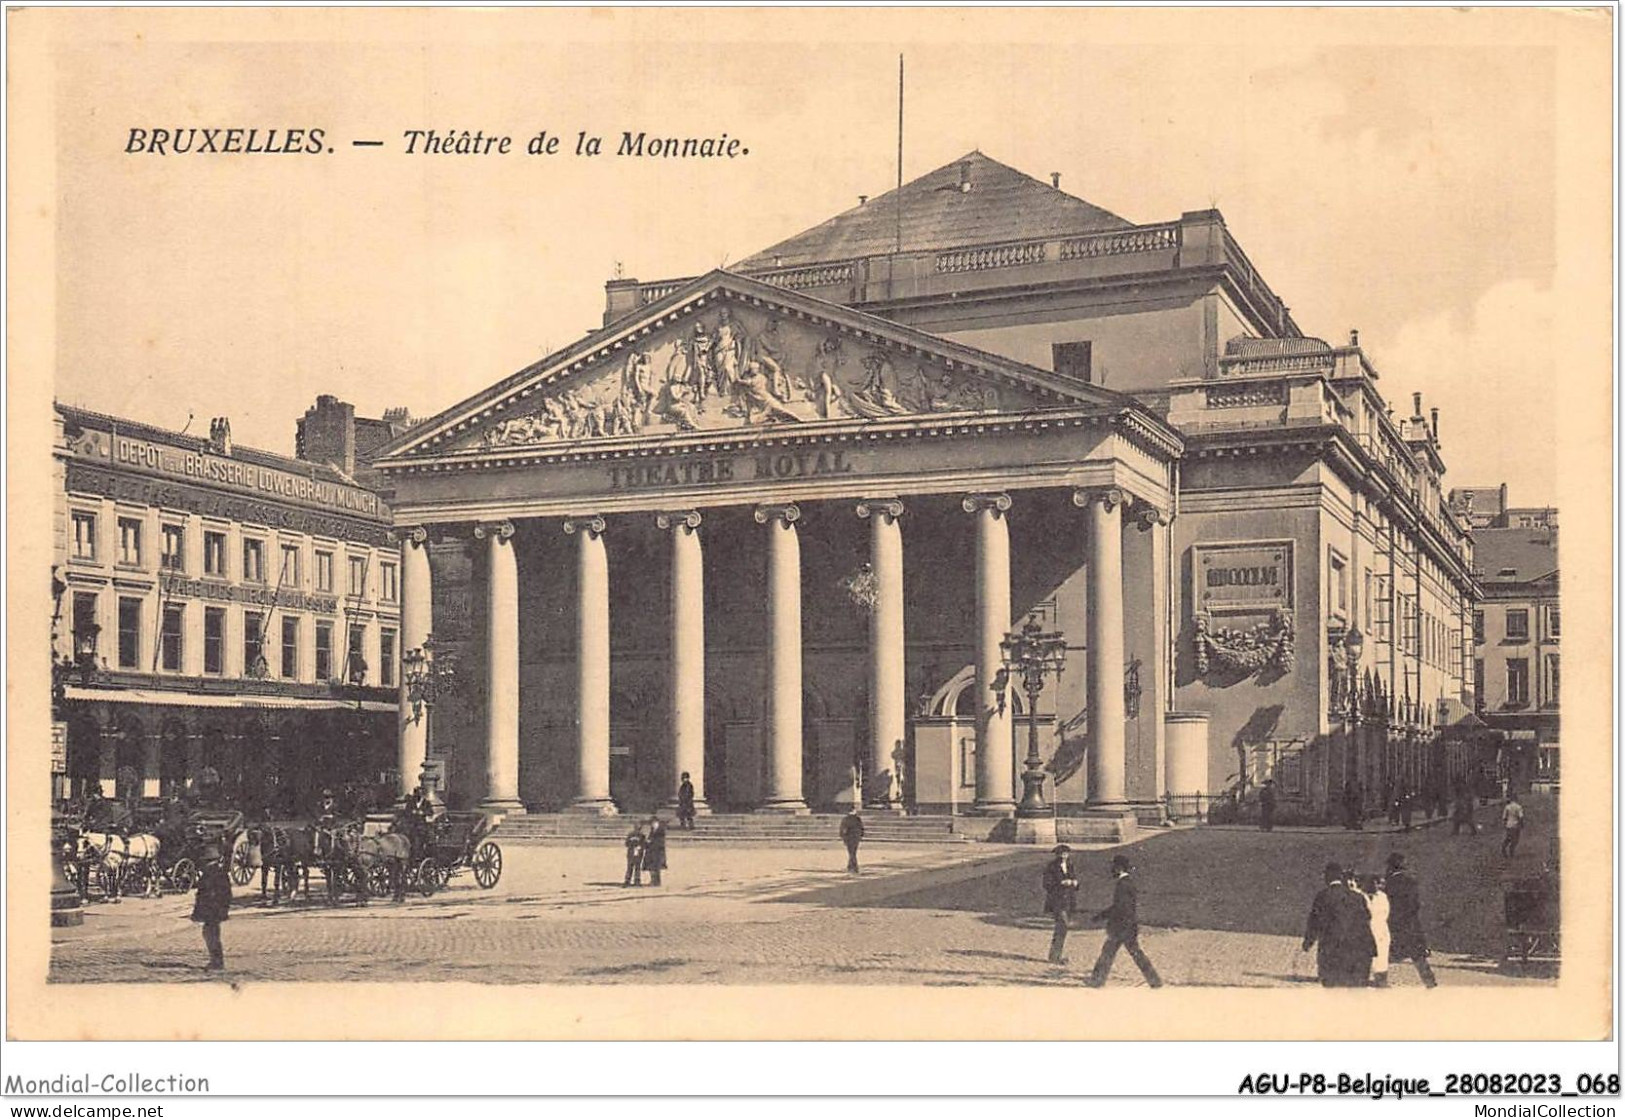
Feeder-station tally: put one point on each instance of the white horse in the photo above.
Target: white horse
(119, 857)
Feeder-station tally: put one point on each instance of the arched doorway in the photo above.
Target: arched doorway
(130, 760)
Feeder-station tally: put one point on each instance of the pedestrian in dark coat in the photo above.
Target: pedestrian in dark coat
(654, 849)
(1406, 939)
(1407, 802)
(1463, 816)
(1339, 928)
(852, 836)
(634, 858)
(1266, 805)
(1122, 919)
(685, 802)
(1060, 898)
(213, 904)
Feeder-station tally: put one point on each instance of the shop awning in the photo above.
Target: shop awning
(220, 700)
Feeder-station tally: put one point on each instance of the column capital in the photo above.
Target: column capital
(787, 512)
(889, 508)
(1109, 496)
(998, 502)
(498, 530)
(1146, 515)
(679, 519)
(408, 534)
(589, 523)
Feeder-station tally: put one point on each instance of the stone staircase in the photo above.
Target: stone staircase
(745, 829)
(742, 829)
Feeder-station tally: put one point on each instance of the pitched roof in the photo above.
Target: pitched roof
(1524, 554)
(973, 200)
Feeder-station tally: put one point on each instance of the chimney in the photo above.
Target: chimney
(1435, 414)
(1416, 404)
(1055, 179)
(220, 435)
(1354, 337)
(863, 200)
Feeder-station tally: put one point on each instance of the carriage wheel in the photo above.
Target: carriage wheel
(428, 877)
(487, 864)
(183, 876)
(242, 872)
(377, 880)
(139, 878)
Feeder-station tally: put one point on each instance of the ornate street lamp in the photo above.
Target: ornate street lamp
(426, 676)
(1032, 653)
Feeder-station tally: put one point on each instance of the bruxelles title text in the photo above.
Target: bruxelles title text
(431, 142)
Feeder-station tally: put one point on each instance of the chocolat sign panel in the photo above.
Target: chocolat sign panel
(1243, 577)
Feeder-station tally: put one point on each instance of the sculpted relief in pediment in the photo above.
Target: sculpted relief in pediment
(741, 366)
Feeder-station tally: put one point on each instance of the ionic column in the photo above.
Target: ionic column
(783, 659)
(1105, 664)
(417, 620)
(887, 702)
(687, 714)
(501, 668)
(995, 757)
(592, 667)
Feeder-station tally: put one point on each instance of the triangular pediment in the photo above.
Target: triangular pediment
(725, 353)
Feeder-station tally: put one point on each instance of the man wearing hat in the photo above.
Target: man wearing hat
(1122, 927)
(1339, 928)
(852, 836)
(213, 903)
(1406, 939)
(1060, 897)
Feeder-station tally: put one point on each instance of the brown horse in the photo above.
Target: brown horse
(285, 856)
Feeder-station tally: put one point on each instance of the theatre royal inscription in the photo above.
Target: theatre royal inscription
(701, 471)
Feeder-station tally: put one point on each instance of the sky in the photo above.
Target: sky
(1409, 191)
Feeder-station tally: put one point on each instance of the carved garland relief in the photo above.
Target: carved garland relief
(738, 367)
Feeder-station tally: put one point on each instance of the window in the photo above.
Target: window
(355, 663)
(1478, 627)
(389, 586)
(324, 651)
(214, 640)
(324, 571)
(358, 576)
(1382, 611)
(84, 617)
(1364, 604)
(1517, 681)
(1339, 600)
(290, 647)
(1071, 359)
(289, 575)
(967, 762)
(1478, 683)
(84, 536)
(169, 637)
(1553, 623)
(214, 554)
(253, 560)
(173, 557)
(1517, 625)
(1411, 622)
(1553, 684)
(386, 658)
(129, 541)
(129, 633)
(254, 664)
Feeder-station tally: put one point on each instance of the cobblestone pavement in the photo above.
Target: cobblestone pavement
(1220, 908)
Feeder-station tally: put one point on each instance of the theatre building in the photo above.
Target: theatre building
(221, 612)
(773, 526)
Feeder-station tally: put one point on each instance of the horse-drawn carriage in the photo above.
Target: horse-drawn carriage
(449, 845)
(148, 853)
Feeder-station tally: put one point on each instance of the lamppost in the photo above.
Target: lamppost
(65, 905)
(1032, 653)
(427, 677)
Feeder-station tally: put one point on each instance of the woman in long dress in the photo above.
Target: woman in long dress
(1376, 900)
